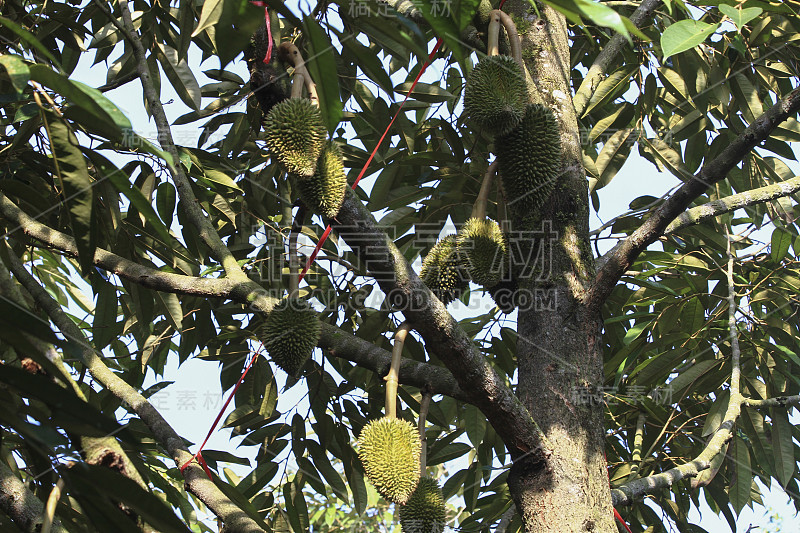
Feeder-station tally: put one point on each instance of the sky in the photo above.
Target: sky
(192, 402)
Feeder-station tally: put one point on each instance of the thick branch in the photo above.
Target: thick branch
(339, 343)
(20, 504)
(712, 172)
(441, 333)
(435, 379)
(778, 401)
(608, 55)
(701, 213)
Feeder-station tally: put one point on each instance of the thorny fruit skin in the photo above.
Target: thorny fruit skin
(443, 270)
(495, 95)
(295, 135)
(389, 449)
(425, 511)
(324, 192)
(529, 160)
(483, 247)
(290, 333)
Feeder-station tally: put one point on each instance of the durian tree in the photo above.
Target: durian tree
(639, 367)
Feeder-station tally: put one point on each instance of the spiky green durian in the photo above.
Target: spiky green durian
(483, 248)
(290, 333)
(295, 135)
(443, 270)
(424, 512)
(505, 295)
(495, 94)
(324, 192)
(389, 449)
(529, 160)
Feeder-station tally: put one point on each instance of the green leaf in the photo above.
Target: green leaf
(596, 12)
(180, 76)
(229, 25)
(17, 70)
(327, 470)
(88, 112)
(77, 189)
(782, 445)
(321, 65)
(30, 40)
(425, 92)
(685, 35)
(779, 246)
(740, 16)
(739, 490)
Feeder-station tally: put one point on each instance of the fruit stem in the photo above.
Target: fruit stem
(294, 253)
(500, 17)
(394, 370)
(493, 38)
(479, 208)
(423, 414)
(297, 85)
(289, 53)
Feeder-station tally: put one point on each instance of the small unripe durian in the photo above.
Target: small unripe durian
(424, 512)
(443, 270)
(389, 449)
(529, 160)
(483, 248)
(295, 135)
(324, 192)
(495, 95)
(290, 333)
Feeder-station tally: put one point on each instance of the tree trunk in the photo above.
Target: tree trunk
(558, 352)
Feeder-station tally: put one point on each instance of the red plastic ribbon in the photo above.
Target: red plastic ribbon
(199, 454)
(327, 232)
(261, 3)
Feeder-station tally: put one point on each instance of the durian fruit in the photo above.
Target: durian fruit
(389, 449)
(295, 135)
(290, 333)
(424, 512)
(483, 248)
(443, 270)
(495, 95)
(529, 160)
(324, 192)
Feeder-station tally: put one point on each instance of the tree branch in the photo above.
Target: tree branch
(608, 55)
(701, 213)
(336, 341)
(712, 172)
(22, 505)
(441, 333)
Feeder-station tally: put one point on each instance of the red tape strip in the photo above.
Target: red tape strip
(327, 232)
(198, 454)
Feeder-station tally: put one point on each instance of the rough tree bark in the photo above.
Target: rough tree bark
(558, 351)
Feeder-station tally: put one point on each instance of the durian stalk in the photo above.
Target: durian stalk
(297, 85)
(294, 252)
(291, 54)
(493, 38)
(513, 37)
(423, 414)
(479, 208)
(394, 370)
